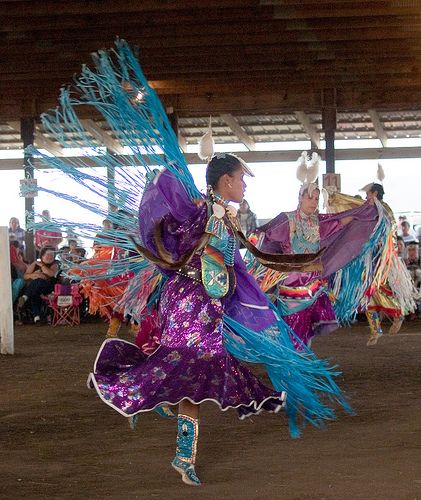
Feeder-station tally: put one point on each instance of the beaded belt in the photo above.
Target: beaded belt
(301, 291)
(191, 272)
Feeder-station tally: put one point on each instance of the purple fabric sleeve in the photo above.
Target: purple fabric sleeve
(341, 243)
(166, 200)
(276, 239)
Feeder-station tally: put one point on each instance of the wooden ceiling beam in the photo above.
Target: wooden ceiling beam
(333, 3)
(213, 38)
(308, 127)
(362, 45)
(82, 8)
(160, 19)
(218, 62)
(80, 51)
(353, 99)
(378, 127)
(13, 97)
(332, 10)
(267, 82)
(182, 141)
(230, 56)
(195, 28)
(238, 22)
(239, 96)
(102, 137)
(14, 126)
(357, 22)
(341, 74)
(42, 141)
(238, 130)
(272, 156)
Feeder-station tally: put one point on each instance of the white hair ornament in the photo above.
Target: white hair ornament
(207, 150)
(380, 177)
(380, 173)
(207, 144)
(307, 172)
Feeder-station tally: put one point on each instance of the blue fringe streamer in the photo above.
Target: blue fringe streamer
(307, 380)
(118, 90)
(351, 282)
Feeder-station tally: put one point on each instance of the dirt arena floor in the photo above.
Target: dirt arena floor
(59, 441)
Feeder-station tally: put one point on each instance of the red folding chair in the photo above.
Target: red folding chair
(65, 302)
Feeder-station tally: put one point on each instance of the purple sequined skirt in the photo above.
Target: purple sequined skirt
(191, 362)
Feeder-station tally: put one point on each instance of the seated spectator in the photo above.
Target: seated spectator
(70, 255)
(419, 234)
(63, 256)
(16, 232)
(40, 278)
(16, 257)
(407, 234)
(412, 259)
(48, 234)
(80, 254)
(413, 264)
(73, 254)
(400, 220)
(401, 247)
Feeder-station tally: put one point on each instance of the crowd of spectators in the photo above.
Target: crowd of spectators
(409, 251)
(32, 281)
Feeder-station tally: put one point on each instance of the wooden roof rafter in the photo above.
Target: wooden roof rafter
(220, 56)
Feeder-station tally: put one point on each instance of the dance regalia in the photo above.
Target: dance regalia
(313, 303)
(102, 292)
(198, 331)
(212, 314)
(391, 291)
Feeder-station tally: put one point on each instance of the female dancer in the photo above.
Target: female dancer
(204, 307)
(305, 299)
(102, 292)
(212, 313)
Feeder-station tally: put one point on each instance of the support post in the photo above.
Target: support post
(173, 118)
(329, 127)
(27, 132)
(6, 306)
(112, 207)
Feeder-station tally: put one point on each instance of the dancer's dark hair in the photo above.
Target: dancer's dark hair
(220, 165)
(377, 188)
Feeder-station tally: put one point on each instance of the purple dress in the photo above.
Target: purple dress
(303, 299)
(191, 362)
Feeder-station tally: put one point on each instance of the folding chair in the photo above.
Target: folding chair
(65, 302)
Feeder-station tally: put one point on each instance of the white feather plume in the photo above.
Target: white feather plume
(313, 168)
(325, 196)
(302, 167)
(207, 144)
(380, 173)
